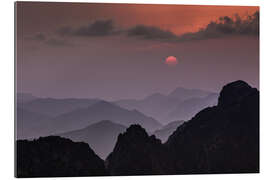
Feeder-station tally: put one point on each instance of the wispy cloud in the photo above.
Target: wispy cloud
(224, 26)
(151, 32)
(97, 28)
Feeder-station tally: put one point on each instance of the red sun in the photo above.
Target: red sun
(171, 61)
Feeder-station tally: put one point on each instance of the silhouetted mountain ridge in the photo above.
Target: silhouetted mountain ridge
(219, 139)
(137, 153)
(223, 138)
(57, 157)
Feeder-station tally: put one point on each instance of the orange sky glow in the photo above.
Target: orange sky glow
(176, 18)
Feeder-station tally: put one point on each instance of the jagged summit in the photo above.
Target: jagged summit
(136, 153)
(135, 131)
(218, 139)
(233, 92)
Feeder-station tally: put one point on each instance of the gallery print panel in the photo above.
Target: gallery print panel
(136, 89)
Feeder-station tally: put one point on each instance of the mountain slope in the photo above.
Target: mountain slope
(56, 157)
(167, 130)
(100, 136)
(103, 110)
(221, 139)
(188, 108)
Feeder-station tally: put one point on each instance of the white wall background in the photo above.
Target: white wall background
(7, 89)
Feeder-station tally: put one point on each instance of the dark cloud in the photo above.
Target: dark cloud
(224, 26)
(151, 32)
(227, 26)
(96, 28)
(37, 37)
(58, 42)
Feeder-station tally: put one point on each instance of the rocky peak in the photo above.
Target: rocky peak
(234, 92)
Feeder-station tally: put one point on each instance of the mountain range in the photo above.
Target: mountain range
(56, 157)
(219, 139)
(46, 116)
(181, 103)
(31, 124)
(103, 110)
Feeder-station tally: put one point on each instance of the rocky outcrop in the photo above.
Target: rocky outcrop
(136, 153)
(54, 156)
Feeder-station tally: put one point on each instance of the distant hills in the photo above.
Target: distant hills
(190, 107)
(103, 110)
(43, 117)
(31, 124)
(53, 107)
(181, 103)
(184, 94)
(24, 97)
(219, 139)
(47, 116)
(101, 136)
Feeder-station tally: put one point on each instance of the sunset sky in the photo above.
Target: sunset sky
(117, 51)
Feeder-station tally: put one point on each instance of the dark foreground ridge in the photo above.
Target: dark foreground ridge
(54, 156)
(219, 139)
(136, 153)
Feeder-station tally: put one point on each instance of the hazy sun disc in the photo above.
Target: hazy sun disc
(171, 61)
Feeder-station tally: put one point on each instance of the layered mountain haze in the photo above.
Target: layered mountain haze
(136, 89)
(219, 139)
(53, 116)
(39, 124)
(101, 136)
(31, 124)
(103, 110)
(164, 133)
(53, 107)
(184, 94)
(188, 108)
(181, 103)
